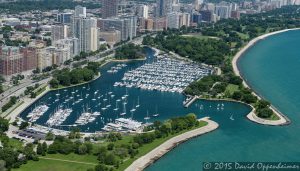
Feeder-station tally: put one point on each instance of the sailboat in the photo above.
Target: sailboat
(231, 117)
(138, 103)
(124, 109)
(109, 105)
(104, 108)
(115, 109)
(147, 117)
(156, 113)
(133, 109)
(105, 99)
(94, 98)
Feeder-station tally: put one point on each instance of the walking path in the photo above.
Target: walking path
(252, 116)
(71, 161)
(144, 161)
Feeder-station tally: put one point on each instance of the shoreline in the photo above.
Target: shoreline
(75, 85)
(144, 161)
(128, 60)
(284, 120)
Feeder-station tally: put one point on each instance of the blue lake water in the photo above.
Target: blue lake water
(271, 68)
(165, 103)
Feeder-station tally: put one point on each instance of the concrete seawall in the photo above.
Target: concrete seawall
(146, 160)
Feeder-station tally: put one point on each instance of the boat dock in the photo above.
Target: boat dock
(189, 101)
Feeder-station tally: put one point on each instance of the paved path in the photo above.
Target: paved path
(71, 161)
(144, 161)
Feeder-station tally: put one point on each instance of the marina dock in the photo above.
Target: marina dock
(189, 101)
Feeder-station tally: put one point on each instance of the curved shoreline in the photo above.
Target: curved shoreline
(284, 120)
(149, 158)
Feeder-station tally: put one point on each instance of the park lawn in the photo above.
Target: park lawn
(56, 165)
(15, 143)
(233, 44)
(199, 36)
(74, 157)
(146, 148)
(41, 90)
(53, 165)
(243, 36)
(231, 88)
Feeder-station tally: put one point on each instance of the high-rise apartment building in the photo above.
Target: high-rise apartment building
(159, 24)
(206, 15)
(223, 10)
(142, 11)
(85, 29)
(163, 7)
(64, 18)
(111, 37)
(173, 20)
(127, 25)
(29, 58)
(80, 11)
(177, 20)
(71, 43)
(58, 32)
(11, 61)
(197, 4)
(109, 8)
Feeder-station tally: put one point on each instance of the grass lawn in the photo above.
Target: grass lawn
(74, 157)
(243, 36)
(15, 143)
(56, 165)
(231, 88)
(40, 90)
(148, 147)
(199, 36)
(53, 165)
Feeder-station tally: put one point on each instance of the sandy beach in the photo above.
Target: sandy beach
(146, 160)
(252, 116)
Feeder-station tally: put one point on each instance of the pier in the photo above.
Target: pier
(189, 101)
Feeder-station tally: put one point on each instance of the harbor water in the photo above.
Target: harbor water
(93, 95)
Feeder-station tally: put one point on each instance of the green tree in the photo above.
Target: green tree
(101, 167)
(39, 149)
(49, 136)
(82, 149)
(45, 147)
(264, 113)
(110, 159)
(54, 83)
(4, 124)
(24, 125)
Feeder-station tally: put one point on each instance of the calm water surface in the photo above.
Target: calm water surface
(272, 69)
